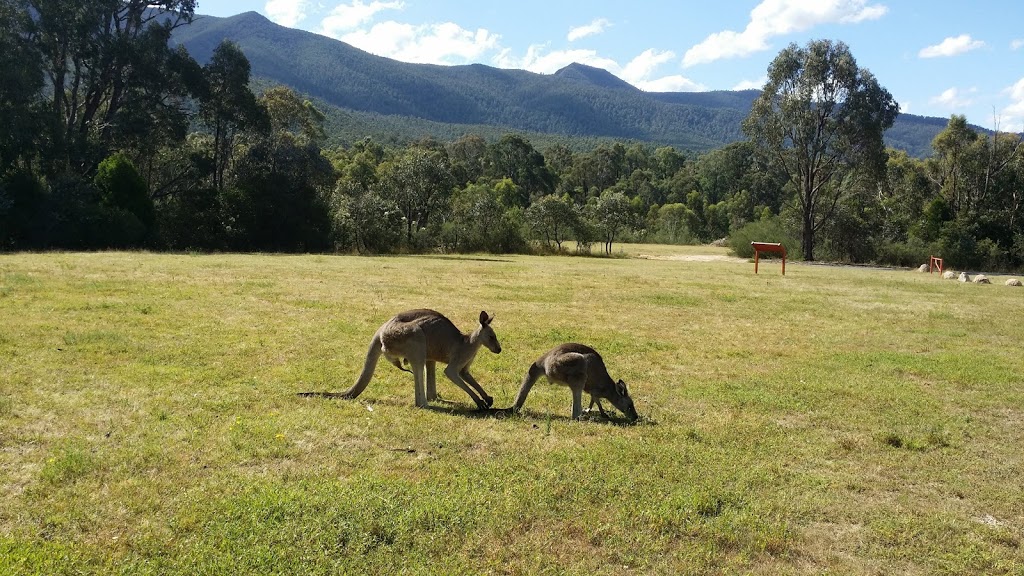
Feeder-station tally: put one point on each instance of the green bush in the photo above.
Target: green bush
(910, 254)
(670, 225)
(23, 215)
(766, 230)
(129, 216)
(191, 220)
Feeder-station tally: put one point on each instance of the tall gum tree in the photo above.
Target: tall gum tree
(107, 68)
(820, 118)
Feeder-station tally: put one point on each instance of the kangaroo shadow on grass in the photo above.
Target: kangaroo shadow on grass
(463, 410)
(440, 405)
(456, 408)
(590, 418)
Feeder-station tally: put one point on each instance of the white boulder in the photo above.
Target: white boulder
(964, 277)
(949, 275)
(981, 279)
(1013, 282)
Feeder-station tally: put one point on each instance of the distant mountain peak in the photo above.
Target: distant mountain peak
(389, 99)
(251, 14)
(594, 76)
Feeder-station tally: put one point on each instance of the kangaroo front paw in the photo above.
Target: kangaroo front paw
(489, 401)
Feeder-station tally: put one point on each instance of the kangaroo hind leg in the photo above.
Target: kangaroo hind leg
(576, 384)
(453, 374)
(476, 386)
(431, 380)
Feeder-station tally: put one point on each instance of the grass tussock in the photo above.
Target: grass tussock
(834, 420)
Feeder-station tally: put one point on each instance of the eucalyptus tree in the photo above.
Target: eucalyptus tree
(109, 73)
(514, 157)
(482, 220)
(612, 214)
(419, 182)
(227, 105)
(552, 218)
(468, 156)
(956, 163)
(21, 86)
(282, 184)
(819, 118)
(20, 89)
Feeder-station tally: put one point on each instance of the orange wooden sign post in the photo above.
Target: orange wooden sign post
(769, 247)
(934, 262)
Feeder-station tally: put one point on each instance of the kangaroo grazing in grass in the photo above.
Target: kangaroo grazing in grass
(582, 369)
(423, 338)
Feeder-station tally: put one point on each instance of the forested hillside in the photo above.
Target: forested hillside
(116, 137)
(393, 100)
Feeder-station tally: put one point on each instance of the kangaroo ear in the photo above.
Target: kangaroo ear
(620, 387)
(484, 320)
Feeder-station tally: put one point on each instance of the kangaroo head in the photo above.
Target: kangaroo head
(485, 334)
(621, 400)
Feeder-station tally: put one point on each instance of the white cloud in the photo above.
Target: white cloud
(1017, 90)
(444, 43)
(951, 47)
(1012, 116)
(953, 98)
(773, 18)
(673, 83)
(345, 17)
(640, 68)
(537, 60)
(639, 71)
(596, 27)
(1017, 44)
(752, 84)
(286, 12)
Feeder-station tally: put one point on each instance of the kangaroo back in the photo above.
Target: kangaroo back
(443, 338)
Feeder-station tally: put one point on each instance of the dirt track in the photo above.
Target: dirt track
(694, 258)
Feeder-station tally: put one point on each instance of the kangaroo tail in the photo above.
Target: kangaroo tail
(372, 355)
(535, 372)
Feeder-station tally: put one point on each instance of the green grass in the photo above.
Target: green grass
(835, 420)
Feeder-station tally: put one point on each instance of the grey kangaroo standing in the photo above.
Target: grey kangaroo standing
(423, 338)
(582, 369)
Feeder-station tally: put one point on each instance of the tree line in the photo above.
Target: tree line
(111, 138)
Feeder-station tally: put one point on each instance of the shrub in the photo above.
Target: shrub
(191, 220)
(767, 230)
(123, 194)
(911, 253)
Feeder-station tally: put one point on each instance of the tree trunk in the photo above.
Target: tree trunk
(807, 237)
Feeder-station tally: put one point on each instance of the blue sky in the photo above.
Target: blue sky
(937, 57)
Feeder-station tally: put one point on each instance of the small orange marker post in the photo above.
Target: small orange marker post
(937, 262)
(769, 247)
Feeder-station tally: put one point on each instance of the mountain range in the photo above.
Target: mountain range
(363, 94)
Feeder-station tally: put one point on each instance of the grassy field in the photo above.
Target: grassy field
(835, 420)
